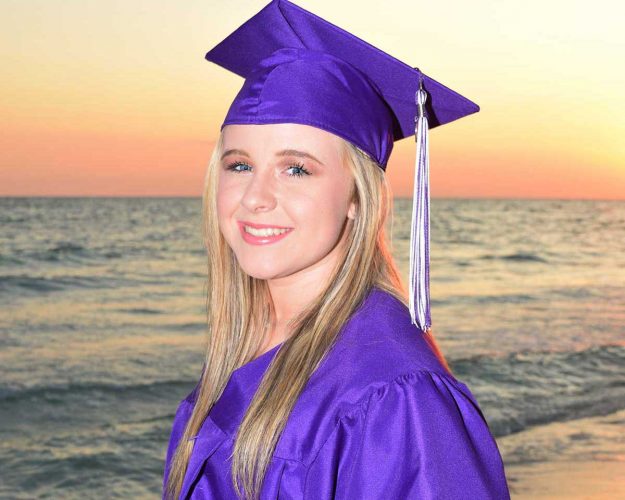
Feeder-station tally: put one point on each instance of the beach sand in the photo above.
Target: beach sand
(571, 480)
(578, 459)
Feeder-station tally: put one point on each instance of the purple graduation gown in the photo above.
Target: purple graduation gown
(379, 419)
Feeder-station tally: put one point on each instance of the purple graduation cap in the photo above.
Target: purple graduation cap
(300, 68)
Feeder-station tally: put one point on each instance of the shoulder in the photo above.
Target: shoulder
(420, 435)
(380, 346)
(379, 360)
(420, 392)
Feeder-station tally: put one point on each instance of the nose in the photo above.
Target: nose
(259, 193)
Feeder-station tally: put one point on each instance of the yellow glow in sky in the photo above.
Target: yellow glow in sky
(115, 98)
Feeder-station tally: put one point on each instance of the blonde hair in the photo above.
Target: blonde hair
(240, 310)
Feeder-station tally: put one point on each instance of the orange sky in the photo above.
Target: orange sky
(114, 98)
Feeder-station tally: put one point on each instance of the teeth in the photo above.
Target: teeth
(269, 231)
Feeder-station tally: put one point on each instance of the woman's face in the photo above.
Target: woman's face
(267, 178)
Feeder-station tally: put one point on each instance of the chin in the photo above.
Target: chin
(264, 276)
(263, 272)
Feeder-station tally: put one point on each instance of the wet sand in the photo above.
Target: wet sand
(578, 459)
(571, 480)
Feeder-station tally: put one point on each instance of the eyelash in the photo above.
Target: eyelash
(233, 166)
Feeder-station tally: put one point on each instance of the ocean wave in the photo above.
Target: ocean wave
(72, 252)
(530, 388)
(501, 298)
(141, 310)
(59, 392)
(515, 257)
(11, 260)
(9, 283)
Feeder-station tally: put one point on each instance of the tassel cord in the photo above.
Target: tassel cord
(420, 235)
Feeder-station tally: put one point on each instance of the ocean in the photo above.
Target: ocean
(103, 312)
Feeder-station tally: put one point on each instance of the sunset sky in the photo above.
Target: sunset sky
(115, 98)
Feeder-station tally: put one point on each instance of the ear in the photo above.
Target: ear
(351, 213)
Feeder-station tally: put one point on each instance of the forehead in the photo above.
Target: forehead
(268, 138)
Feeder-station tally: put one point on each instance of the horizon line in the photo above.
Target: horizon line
(156, 196)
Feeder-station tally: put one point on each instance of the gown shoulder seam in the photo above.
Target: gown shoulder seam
(377, 388)
(362, 405)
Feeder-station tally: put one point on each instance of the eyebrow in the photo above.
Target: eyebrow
(284, 152)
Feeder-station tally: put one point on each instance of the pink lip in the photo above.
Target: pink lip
(264, 240)
(262, 226)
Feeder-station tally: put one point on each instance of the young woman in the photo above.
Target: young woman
(317, 384)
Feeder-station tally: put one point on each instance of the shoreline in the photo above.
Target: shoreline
(575, 480)
(575, 459)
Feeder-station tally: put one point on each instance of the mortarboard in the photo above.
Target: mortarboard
(300, 68)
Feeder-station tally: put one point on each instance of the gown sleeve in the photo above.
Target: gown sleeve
(421, 436)
(181, 417)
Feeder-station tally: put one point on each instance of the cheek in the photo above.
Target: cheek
(226, 203)
(320, 213)
(221, 206)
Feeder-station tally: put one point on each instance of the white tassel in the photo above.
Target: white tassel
(420, 233)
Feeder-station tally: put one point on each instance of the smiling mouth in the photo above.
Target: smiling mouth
(263, 235)
(264, 232)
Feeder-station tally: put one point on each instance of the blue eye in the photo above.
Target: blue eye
(301, 168)
(302, 171)
(233, 166)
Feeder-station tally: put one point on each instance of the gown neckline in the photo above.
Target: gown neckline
(260, 358)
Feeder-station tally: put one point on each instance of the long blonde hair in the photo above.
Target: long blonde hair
(240, 310)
